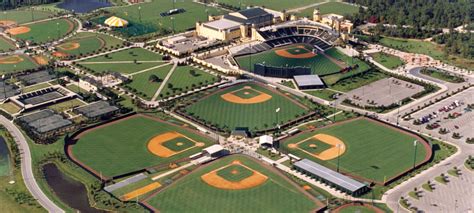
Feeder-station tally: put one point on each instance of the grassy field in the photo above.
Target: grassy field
(254, 116)
(359, 209)
(125, 144)
(36, 87)
(26, 63)
(387, 60)
(6, 45)
(274, 195)
(355, 82)
(278, 5)
(10, 107)
(324, 94)
(149, 15)
(331, 7)
(89, 42)
(373, 151)
(141, 82)
(66, 105)
(42, 32)
(183, 80)
(24, 16)
(442, 75)
(319, 64)
(124, 61)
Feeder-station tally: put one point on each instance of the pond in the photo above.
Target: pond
(70, 191)
(83, 6)
(4, 158)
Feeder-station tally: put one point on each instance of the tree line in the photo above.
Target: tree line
(10, 4)
(456, 43)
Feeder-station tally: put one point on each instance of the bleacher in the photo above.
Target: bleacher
(319, 38)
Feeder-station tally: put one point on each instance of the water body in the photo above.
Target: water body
(83, 6)
(70, 191)
(4, 158)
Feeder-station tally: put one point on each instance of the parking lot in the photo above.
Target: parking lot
(452, 114)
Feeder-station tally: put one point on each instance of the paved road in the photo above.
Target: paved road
(26, 167)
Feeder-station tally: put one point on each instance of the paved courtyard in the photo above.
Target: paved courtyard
(456, 196)
(383, 92)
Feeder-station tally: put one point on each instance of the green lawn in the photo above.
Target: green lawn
(46, 31)
(275, 195)
(183, 80)
(414, 46)
(27, 63)
(125, 68)
(324, 94)
(90, 42)
(131, 54)
(358, 209)
(278, 5)
(319, 64)
(387, 60)
(442, 75)
(24, 16)
(6, 45)
(254, 116)
(331, 7)
(142, 84)
(36, 87)
(355, 82)
(122, 147)
(373, 151)
(150, 14)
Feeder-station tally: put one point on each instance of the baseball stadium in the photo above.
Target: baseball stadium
(135, 143)
(250, 105)
(234, 183)
(363, 148)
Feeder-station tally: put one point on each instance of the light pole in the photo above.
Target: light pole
(415, 143)
(398, 110)
(57, 29)
(276, 112)
(338, 154)
(172, 22)
(140, 13)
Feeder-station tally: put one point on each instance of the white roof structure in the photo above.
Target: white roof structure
(222, 24)
(115, 21)
(213, 149)
(265, 140)
(308, 80)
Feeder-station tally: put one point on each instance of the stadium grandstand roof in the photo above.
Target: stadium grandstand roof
(330, 175)
(96, 109)
(45, 121)
(308, 80)
(254, 15)
(222, 24)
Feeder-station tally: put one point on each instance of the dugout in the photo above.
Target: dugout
(280, 72)
(334, 179)
(309, 82)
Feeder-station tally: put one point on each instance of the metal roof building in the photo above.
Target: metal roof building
(97, 109)
(308, 81)
(45, 121)
(340, 181)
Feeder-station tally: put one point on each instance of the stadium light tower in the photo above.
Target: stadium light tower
(338, 154)
(415, 143)
(276, 112)
(140, 13)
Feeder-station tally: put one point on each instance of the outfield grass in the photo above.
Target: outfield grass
(27, 63)
(254, 116)
(24, 16)
(331, 7)
(275, 195)
(150, 14)
(46, 31)
(373, 151)
(90, 42)
(387, 60)
(182, 80)
(6, 45)
(124, 144)
(142, 84)
(319, 64)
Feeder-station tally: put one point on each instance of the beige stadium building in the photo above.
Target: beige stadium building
(238, 25)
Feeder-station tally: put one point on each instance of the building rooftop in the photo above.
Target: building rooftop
(330, 175)
(308, 80)
(45, 121)
(222, 24)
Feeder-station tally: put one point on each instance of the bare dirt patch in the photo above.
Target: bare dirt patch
(284, 53)
(18, 30)
(69, 46)
(213, 179)
(13, 59)
(337, 147)
(155, 145)
(230, 97)
(41, 60)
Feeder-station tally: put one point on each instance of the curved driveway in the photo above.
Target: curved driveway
(26, 167)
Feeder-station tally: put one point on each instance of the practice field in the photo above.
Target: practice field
(292, 56)
(234, 184)
(42, 32)
(6, 45)
(369, 150)
(142, 84)
(246, 105)
(86, 42)
(23, 16)
(387, 60)
(135, 143)
(126, 61)
(149, 15)
(13, 63)
(185, 78)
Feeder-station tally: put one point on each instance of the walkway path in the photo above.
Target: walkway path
(151, 68)
(164, 82)
(26, 167)
(120, 62)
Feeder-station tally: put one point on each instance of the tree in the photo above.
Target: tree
(154, 78)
